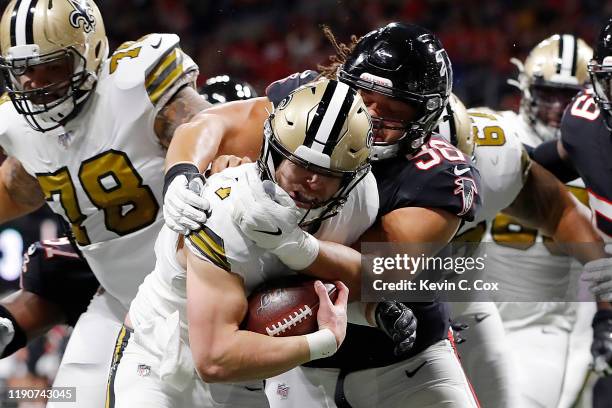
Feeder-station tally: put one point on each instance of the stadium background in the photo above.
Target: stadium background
(263, 40)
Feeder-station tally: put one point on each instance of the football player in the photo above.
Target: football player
(518, 176)
(86, 133)
(528, 264)
(416, 161)
(312, 174)
(582, 150)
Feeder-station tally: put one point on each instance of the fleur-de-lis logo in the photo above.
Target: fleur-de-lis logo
(82, 15)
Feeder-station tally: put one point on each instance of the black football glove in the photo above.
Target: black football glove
(601, 349)
(399, 323)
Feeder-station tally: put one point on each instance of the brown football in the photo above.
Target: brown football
(286, 307)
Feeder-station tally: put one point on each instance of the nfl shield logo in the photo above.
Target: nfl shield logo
(282, 390)
(143, 370)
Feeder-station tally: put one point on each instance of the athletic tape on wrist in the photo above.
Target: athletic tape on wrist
(322, 344)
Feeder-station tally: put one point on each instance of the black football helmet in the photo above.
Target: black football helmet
(600, 70)
(408, 63)
(223, 88)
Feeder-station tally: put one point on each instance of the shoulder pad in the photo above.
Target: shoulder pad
(155, 62)
(278, 90)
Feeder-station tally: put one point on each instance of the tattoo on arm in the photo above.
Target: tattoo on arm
(23, 188)
(180, 109)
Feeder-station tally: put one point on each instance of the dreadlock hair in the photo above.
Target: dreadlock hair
(342, 53)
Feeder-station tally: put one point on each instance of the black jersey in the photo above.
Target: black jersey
(441, 177)
(588, 142)
(437, 176)
(55, 271)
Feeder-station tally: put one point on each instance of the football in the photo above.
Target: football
(285, 307)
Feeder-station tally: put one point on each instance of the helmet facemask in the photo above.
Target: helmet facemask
(273, 153)
(49, 106)
(601, 77)
(544, 106)
(415, 132)
(553, 73)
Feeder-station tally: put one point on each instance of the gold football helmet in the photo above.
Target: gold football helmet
(553, 72)
(324, 127)
(51, 55)
(456, 126)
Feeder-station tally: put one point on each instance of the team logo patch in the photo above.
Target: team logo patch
(466, 188)
(283, 104)
(143, 370)
(267, 299)
(65, 139)
(282, 390)
(223, 192)
(82, 15)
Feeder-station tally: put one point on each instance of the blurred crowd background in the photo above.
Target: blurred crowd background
(263, 40)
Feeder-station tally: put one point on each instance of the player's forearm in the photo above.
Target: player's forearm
(34, 314)
(575, 231)
(195, 142)
(338, 262)
(243, 356)
(20, 193)
(11, 208)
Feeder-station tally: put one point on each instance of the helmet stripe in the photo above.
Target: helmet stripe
(334, 136)
(575, 57)
(20, 23)
(14, 23)
(332, 115)
(29, 29)
(567, 48)
(313, 129)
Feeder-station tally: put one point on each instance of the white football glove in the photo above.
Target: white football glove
(184, 208)
(268, 216)
(599, 274)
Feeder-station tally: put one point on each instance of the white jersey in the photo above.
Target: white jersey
(520, 257)
(501, 160)
(222, 243)
(103, 170)
(158, 312)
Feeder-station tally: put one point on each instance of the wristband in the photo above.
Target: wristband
(19, 339)
(177, 170)
(322, 344)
